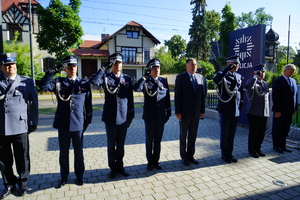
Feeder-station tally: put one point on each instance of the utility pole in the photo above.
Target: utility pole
(1, 33)
(30, 41)
(288, 47)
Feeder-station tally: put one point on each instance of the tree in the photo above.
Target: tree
(282, 53)
(166, 60)
(227, 25)
(252, 19)
(60, 28)
(203, 30)
(23, 57)
(176, 45)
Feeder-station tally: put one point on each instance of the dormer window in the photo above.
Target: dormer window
(132, 34)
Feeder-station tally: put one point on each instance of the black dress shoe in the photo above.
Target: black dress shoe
(185, 162)
(192, 160)
(7, 191)
(226, 159)
(254, 155)
(261, 154)
(124, 172)
(157, 166)
(286, 150)
(61, 183)
(278, 150)
(79, 181)
(149, 166)
(23, 190)
(233, 159)
(112, 174)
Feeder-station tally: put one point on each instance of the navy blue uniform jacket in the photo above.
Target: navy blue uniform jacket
(118, 107)
(157, 107)
(18, 104)
(72, 114)
(232, 107)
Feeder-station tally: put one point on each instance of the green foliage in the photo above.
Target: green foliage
(221, 60)
(60, 28)
(203, 30)
(252, 19)
(179, 66)
(227, 25)
(210, 84)
(208, 69)
(23, 56)
(176, 45)
(282, 53)
(166, 60)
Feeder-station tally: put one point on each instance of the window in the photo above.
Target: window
(12, 28)
(132, 34)
(129, 55)
(48, 63)
(146, 55)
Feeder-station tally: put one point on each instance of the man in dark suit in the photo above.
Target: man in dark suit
(258, 111)
(73, 114)
(285, 105)
(118, 110)
(189, 108)
(157, 109)
(18, 118)
(230, 102)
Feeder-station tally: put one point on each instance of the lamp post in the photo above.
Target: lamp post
(271, 47)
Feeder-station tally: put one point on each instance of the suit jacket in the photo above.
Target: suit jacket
(234, 82)
(258, 97)
(157, 107)
(284, 99)
(118, 106)
(19, 105)
(188, 102)
(71, 115)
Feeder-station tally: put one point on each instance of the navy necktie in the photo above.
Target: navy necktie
(290, 83)
(194, 82)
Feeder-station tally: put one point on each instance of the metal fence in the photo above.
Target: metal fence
(211, 100)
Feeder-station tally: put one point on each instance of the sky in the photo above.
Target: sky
(165, 18)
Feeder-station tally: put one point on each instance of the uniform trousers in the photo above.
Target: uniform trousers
(228, 128)
(280, 130)
(20, 154)
(257, 129)
(64, 138)
(115, 144)
(188, 131)
(154, 132)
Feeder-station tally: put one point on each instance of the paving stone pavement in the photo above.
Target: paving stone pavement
(250, 178)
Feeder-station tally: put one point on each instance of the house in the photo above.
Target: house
(135, 43)
(15, 17)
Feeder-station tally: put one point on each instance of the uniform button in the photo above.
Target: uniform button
(72, 104)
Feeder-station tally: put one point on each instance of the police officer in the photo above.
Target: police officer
(73, 114)
(258, 111)
(18, 117)
(118, 110)
(157, 109)
(229, 84)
